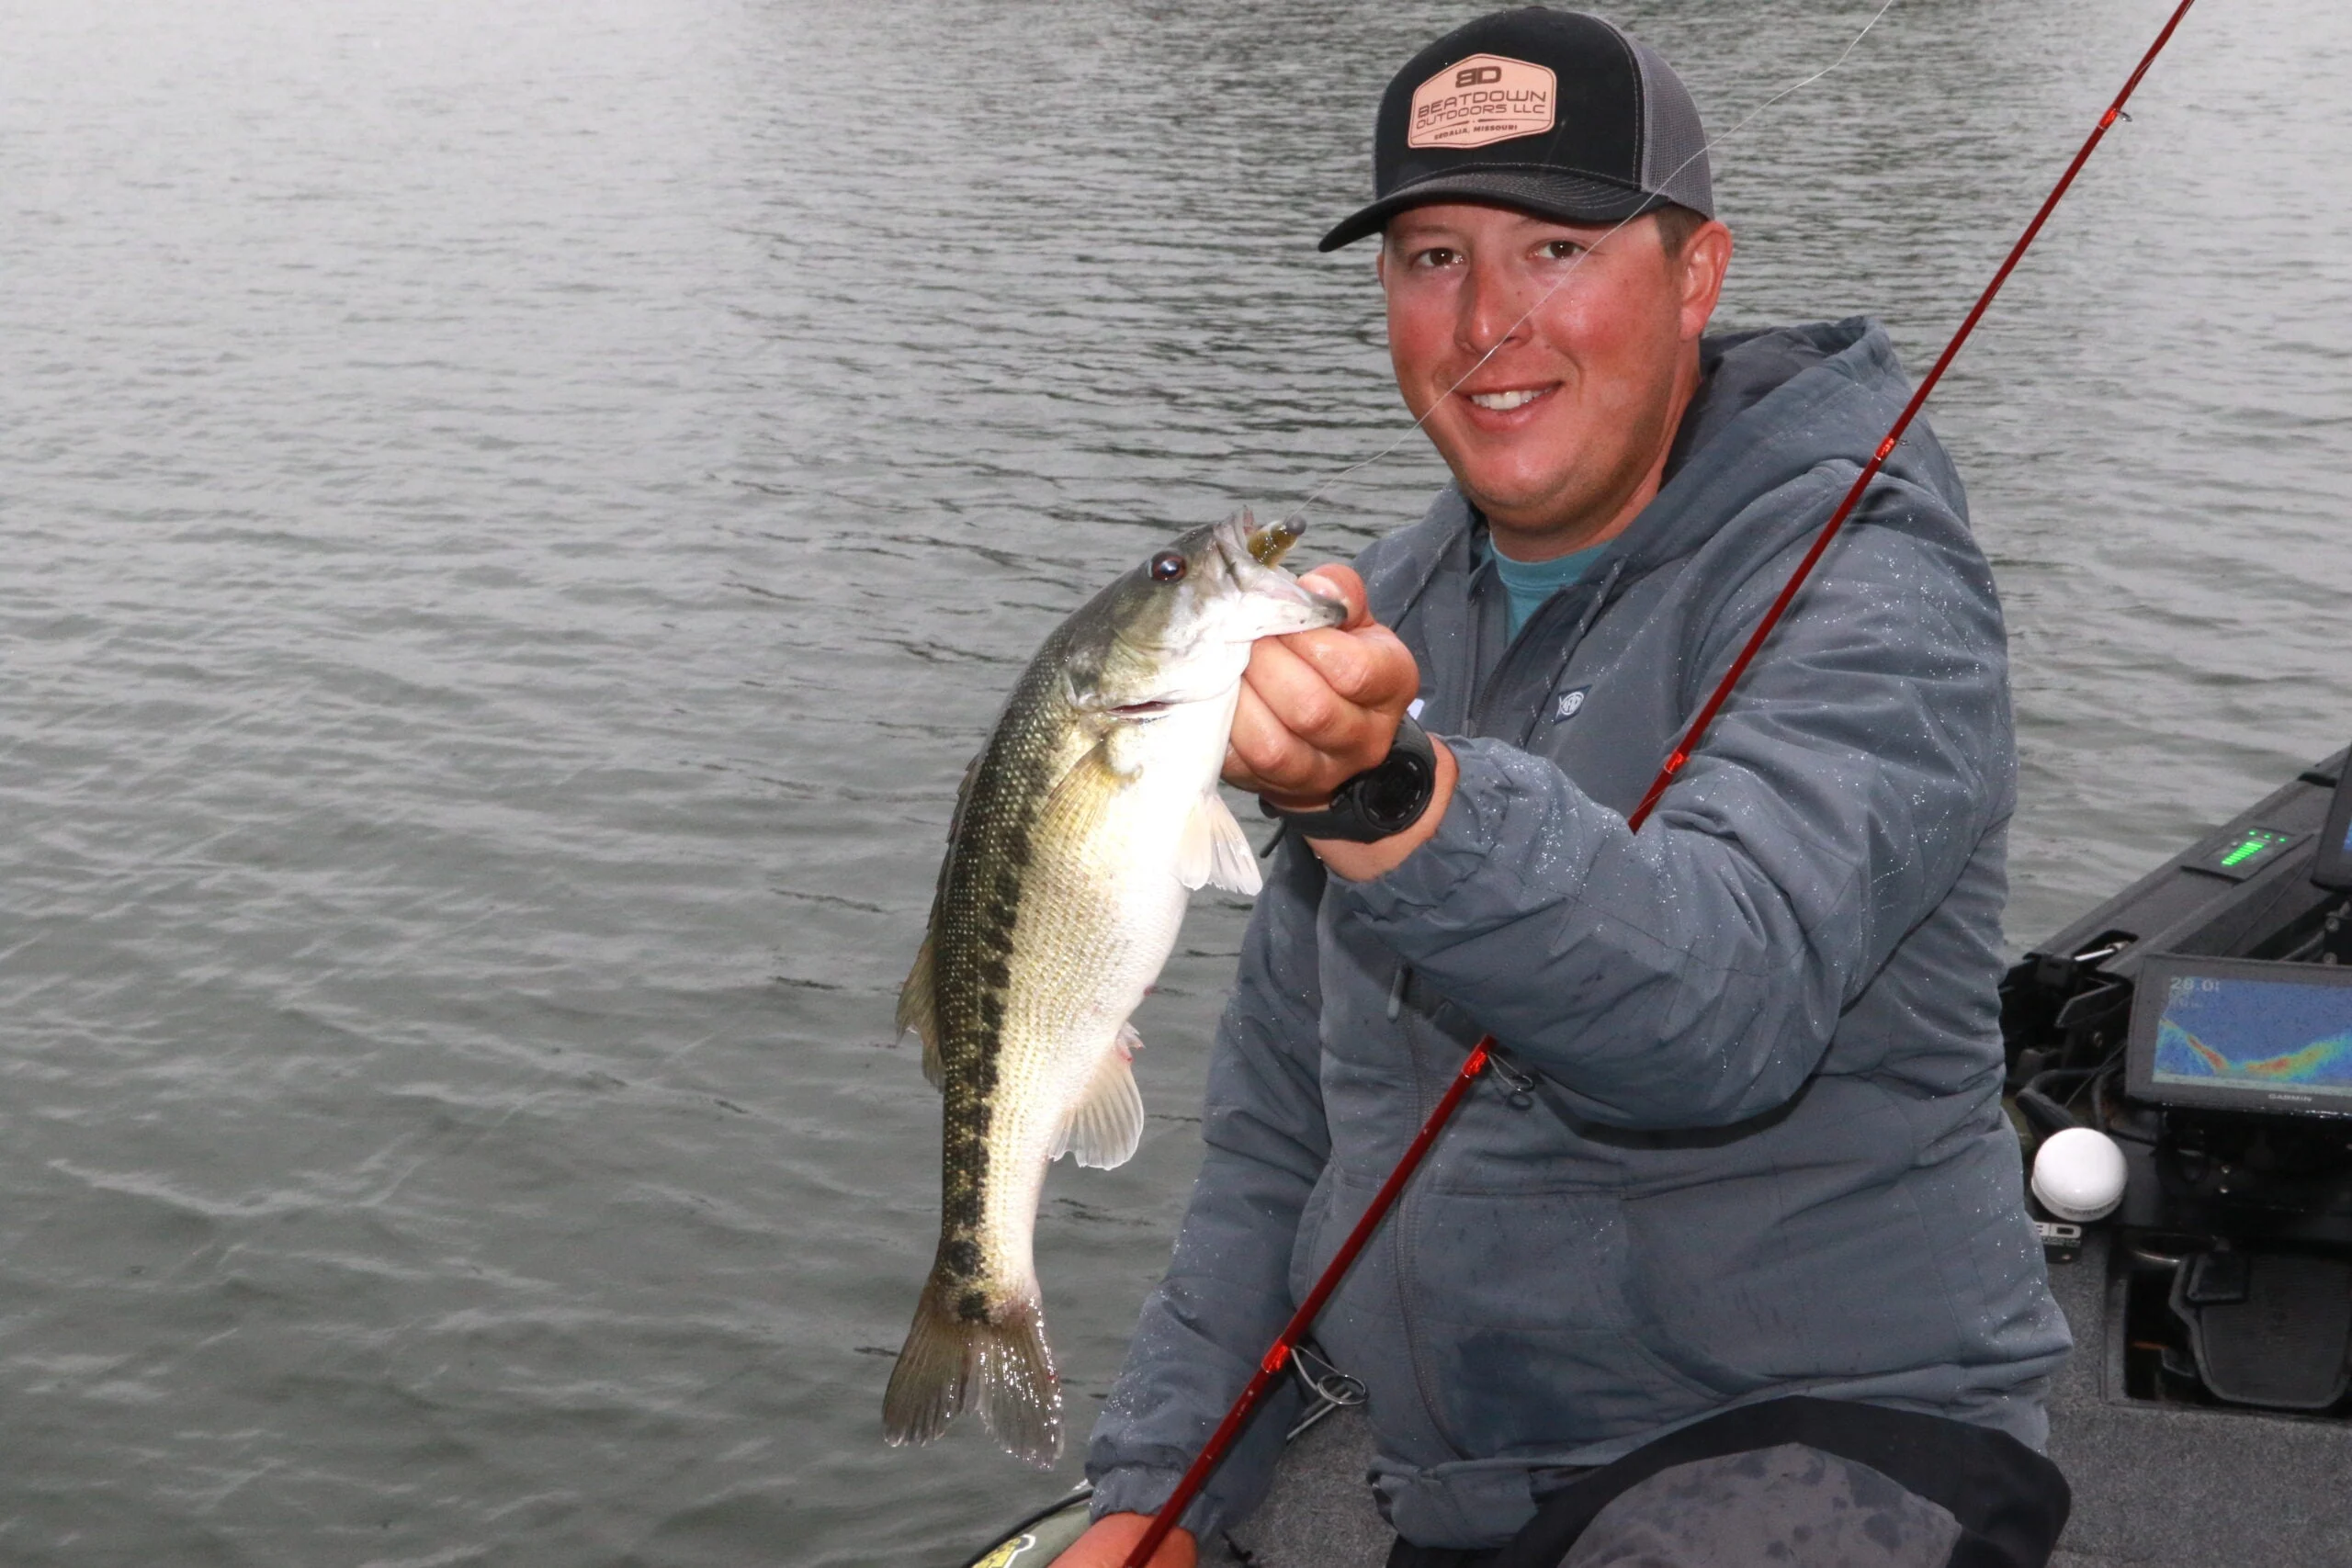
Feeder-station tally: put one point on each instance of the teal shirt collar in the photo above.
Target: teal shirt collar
(1528, 584)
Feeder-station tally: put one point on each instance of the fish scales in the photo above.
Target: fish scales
(1078, 832)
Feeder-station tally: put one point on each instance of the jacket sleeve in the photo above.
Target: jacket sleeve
(1691, 975)
(1226, 1293)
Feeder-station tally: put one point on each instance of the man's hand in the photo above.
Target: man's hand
(1319, 708)
(1109, 1538)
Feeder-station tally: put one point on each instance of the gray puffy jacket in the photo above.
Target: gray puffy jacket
(1771, 1157)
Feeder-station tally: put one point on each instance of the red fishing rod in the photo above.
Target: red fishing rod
(1277, 1356)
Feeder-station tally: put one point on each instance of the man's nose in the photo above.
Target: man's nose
(1494, 306)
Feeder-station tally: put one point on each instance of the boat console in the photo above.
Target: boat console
(2202, 1021)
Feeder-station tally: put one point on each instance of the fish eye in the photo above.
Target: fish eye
(1166, 567)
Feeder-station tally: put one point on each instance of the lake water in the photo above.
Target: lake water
(516, 516)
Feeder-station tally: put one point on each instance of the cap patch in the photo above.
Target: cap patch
(1483, 98)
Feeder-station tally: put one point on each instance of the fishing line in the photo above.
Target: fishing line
(1293, 523)
(1279, 1353)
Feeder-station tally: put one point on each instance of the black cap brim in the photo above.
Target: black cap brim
(1547, 193)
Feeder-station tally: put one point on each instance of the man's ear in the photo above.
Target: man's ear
(1706, 257)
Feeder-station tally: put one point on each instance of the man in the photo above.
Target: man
(1730, 1264)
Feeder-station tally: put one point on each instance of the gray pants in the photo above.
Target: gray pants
(1789, 1507)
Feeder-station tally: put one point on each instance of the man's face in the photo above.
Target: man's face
(1562, 425)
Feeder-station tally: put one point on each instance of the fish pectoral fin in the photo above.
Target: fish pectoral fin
(1214, 851)
(917, 1016)
(1075, 798)
(1107, 1122)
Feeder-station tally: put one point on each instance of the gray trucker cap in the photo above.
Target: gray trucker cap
(1555, 112)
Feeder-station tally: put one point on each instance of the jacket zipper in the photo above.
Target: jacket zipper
(1518, 1087)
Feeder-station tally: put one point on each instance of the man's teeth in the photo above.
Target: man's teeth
(1500, 401)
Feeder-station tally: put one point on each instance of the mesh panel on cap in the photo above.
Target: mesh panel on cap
(1674, 144)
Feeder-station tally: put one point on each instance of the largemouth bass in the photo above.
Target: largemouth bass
(1080, 830)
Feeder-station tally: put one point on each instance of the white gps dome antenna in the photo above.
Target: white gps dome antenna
(2079, 1175)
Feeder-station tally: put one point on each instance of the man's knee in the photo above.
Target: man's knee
(1790, 1505)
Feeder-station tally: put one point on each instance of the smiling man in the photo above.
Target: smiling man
(1728, 1262)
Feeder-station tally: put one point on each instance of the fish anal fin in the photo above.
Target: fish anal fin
(1213, 852)
(998, 1366)
(1106, 1124)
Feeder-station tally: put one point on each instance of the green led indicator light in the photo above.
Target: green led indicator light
(2253, 847)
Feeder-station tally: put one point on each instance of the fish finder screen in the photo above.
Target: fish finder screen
(2276, 1037)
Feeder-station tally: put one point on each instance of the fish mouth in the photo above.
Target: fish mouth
(1144, 710)
(1253, 568)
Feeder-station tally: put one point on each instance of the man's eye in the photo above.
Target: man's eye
(1436, 255)
(1562, 250)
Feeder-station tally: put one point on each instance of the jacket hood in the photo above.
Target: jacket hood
(1774, 403)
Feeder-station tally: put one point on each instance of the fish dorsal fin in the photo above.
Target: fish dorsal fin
(1107, 1122)
(963, 799)
(920, 1016)
(1214, 851)
(917, 1011)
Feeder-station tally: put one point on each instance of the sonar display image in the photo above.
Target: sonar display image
(2258, 1033)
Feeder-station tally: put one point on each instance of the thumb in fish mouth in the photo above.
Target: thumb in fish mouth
(1333, 581)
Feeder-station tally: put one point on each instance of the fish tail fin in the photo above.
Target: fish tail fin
(999, 1364)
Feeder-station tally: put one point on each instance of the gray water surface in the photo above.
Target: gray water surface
(516, 516)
